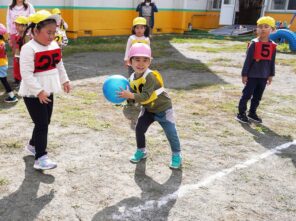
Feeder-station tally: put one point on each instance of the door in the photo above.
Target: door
(227, 12)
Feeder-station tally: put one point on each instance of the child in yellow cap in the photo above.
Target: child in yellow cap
(61, 36)
(43, 75)
(21, 23)
(258, 70)
(140, 34)
(4, 67)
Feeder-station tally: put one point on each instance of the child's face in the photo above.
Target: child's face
(140, 64)
(46, 34)
(264, 30)
(140, 30)
(20, 28)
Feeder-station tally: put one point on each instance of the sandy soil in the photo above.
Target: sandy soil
(230, 172)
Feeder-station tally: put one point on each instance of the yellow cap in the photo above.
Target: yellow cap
(43, 15)
(56, 11)
(266, 20)
(139, 21)
(22, 20)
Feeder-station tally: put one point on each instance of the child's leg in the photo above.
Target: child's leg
(40, 114)
(11, 96)
(6, 84)
(247, 94)
(144, 121)
(167, 121)
(257, 95)
(16, 70)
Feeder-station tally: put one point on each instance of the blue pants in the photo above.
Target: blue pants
(167, 122)
(254, 89)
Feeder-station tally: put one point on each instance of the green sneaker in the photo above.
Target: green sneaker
(176, 162)
(138, 156)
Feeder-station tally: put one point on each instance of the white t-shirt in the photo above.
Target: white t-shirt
(49, 80)
(15, 12)
(132, 40)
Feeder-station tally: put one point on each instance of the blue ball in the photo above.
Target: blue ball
(112, 85)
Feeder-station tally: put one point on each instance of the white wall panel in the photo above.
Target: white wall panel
(161, 4)
(196, 4)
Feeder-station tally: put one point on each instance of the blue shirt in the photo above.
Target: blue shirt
(258, 69)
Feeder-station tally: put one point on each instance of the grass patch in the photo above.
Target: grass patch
(71, 49)
(225, 62)
(11, 143)
(80, 109)
(287, 62)
(284, 47)
(229, 48)
(261, 129)
(3, 182)
(181, 65)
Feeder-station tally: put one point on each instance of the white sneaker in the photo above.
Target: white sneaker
(30, 150)
(44, 163)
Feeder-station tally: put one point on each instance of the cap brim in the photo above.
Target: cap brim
(55, 17)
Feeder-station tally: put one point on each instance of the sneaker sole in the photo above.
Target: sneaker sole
(256, 121)
(239, 120)
(44, 168)
(132, 161)
(176, 168)
(11, 101)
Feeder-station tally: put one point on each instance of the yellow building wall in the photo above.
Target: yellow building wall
(202, 20)
(282, 18)
(94, 22)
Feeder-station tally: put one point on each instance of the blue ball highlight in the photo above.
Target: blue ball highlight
(112, 85)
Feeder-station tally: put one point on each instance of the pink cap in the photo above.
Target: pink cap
(2, 29)
(139, 50)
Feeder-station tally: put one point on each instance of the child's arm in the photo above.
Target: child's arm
(147, 90)
(64, 79)
(154, 8)
(269, 80)
(128, 46)
(248, 62)
(64, 24)
(27, 57)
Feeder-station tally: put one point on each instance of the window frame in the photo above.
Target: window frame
(212, 4)
(281, 10)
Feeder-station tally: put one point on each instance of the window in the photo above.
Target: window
(216, 4)
(292, 5)
(278, 4)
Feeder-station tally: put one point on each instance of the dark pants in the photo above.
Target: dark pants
(40, 114)
(167, 122)
(6, 84)
(254, 89)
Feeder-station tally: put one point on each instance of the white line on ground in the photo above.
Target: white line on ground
(187, 189)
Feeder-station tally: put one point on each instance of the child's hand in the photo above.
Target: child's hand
(67, 87)
(125, 94)
(244, 80)
(269, 80)
(43, 97)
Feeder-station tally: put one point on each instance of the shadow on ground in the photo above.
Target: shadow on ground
(155, 203)
(179, 72)
(270, 140)
(24, 204)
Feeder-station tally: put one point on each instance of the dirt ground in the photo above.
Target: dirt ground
(230, 171)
